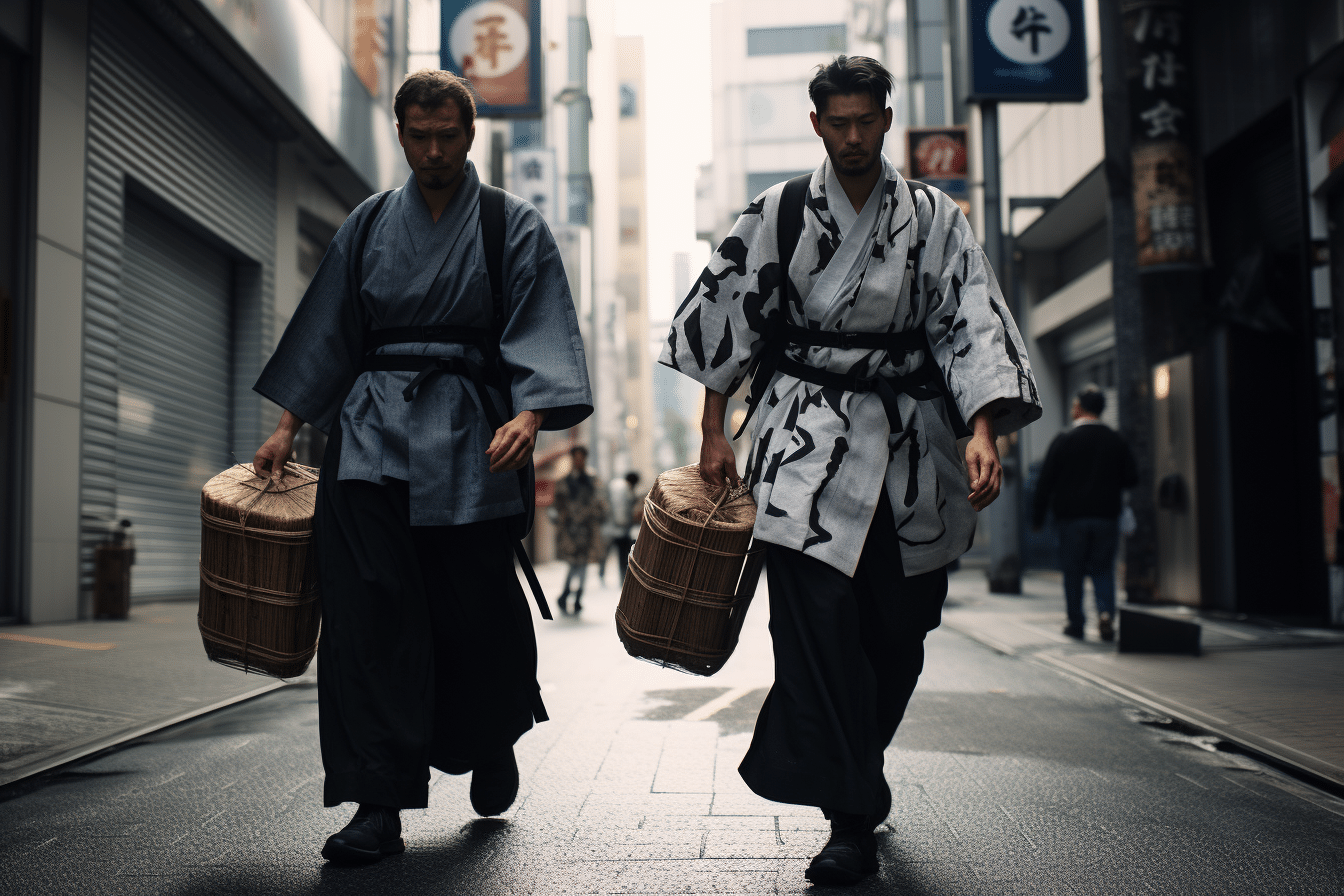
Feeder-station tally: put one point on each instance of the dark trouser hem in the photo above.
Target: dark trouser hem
(361, 787)
(427, 652)
(848, 653)
(802, 788)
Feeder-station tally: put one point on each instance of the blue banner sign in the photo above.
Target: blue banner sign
(1026, 51)
(496, 45)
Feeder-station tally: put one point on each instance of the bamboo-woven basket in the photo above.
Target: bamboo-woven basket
(259, 610)
(692, 574)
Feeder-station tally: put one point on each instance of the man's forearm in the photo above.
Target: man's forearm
(982, 424)
(716, 408)
(289, 424)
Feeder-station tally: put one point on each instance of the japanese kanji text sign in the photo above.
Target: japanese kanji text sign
(1026, 51)
(496, 45)
(1167, 204)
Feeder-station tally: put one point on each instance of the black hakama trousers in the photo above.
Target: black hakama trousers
(427, 656)
(847, 655)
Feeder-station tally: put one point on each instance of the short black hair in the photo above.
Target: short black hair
(579, 449)
(632, 477)
(431, 88)
(847, 75)
(1092, 400)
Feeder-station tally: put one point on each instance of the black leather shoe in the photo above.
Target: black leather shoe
(561, 601)
(1074, 631)
(848, 857)
(374, 833)
(494, 784)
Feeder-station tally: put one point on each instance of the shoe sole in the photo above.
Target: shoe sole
(830, 875)
(349, 855)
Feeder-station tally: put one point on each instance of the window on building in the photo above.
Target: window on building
(629, 101)
(798, 39)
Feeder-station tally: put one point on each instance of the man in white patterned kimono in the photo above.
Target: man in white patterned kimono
(432, 372)
(888, 331)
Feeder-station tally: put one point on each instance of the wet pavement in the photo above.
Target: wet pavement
(1010, 775)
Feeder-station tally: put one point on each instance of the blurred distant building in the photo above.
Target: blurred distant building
(171, 173)
(764, 52)
(632, 279)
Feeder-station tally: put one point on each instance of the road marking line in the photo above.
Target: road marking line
(56, 642)
(716, 704)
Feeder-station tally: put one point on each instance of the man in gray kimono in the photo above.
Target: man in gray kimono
(428, 655)
(885, 331)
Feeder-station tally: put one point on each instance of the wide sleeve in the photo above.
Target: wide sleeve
(719, 328)
(541, 344)
(318, 357)
(974, 337)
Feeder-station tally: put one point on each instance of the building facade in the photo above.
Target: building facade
(177, 171)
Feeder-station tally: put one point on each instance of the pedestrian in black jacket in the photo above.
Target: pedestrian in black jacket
(1084, 473)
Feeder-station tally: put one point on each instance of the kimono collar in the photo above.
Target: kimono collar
(421, 228)
(842, 210)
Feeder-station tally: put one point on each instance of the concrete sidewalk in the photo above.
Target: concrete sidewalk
(70, 690)
(1273, 690)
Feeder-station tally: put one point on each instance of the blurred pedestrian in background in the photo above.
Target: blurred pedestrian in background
(580, 511)
(402, 355)
(1085, 471)
(627, 506)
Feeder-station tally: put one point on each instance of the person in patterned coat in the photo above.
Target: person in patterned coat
(886, 331)
(580, 511)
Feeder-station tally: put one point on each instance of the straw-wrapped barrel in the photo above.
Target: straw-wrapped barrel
(259, 610)
(692, 574)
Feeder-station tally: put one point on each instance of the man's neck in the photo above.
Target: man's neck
(438, 200)
(859, 188)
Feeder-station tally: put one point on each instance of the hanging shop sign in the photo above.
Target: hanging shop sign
(1168, 212)
(1026, 51)
(938, 157)
(496, 45)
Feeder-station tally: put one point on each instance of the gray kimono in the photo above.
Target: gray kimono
(417, 271)
(819, 455)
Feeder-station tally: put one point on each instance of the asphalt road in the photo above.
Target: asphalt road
(1008, 777)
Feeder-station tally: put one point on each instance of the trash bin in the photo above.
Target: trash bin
(112, 561)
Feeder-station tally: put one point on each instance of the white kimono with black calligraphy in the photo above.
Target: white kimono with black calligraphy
(819, 455)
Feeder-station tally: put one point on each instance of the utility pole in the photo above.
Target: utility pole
(1005, 552)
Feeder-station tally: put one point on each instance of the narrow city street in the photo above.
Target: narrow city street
(1009, 777)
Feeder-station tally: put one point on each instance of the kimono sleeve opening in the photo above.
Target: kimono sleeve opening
(719, 329)
(974, 337)
(318, 357)
(541, 344)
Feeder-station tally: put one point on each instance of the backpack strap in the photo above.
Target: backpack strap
(792, 204)
(492, 239)
(491, 210)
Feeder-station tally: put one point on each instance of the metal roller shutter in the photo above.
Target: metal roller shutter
(173, 373)
(160, 130)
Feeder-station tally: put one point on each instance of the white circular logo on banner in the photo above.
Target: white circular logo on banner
(489, 39)
(1029, 32)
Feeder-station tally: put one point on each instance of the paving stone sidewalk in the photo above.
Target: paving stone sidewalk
(1275, 690)
(71, 689)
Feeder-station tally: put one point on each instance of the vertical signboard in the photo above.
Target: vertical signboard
(496, 45)
(533, 178)
(938, 157)
(1026, 51)
(1168, 222)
